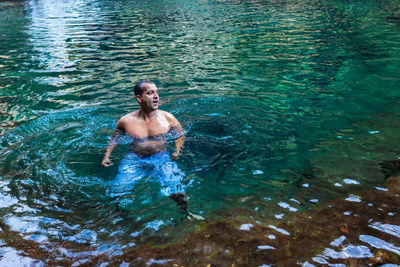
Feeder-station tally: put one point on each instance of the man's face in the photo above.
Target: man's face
(149, 98)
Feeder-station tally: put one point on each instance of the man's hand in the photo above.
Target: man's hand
(175, 155)
(106, 162)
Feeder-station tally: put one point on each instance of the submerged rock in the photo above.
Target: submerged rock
(359, 230)
(325, 235)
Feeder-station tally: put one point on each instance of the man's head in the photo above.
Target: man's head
(138, 89)
(146, 94)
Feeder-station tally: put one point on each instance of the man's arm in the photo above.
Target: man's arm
(119, 130)
(178, 146)
(177, 127)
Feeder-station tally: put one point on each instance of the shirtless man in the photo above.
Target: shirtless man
(149, 128)
(147, 125)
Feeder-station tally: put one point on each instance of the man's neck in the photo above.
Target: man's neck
(147, 115)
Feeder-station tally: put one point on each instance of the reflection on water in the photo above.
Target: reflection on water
(49, 33)
(287, 106)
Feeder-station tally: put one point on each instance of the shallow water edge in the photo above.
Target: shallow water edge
(358, 230)
(289, 107)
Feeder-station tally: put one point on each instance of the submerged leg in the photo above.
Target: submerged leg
(170, 178)
(183, 203)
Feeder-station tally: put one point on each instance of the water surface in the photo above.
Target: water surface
(286, 105)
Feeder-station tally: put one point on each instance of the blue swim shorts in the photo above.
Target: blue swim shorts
(158, 167)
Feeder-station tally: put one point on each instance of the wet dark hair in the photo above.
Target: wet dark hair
(138, 87)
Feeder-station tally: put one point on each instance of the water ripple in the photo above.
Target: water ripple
(282, 101)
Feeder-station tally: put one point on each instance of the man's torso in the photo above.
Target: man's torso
(149, 135)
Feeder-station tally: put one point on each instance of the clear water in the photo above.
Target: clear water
(286, 104)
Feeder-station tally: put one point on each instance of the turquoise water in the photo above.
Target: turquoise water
(287, 103)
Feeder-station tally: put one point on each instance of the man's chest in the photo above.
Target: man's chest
(147, 128)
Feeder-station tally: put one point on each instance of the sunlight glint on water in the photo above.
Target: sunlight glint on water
(286, 105)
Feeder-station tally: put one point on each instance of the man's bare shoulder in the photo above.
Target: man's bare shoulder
(127, 119)
(130, 116)
(165, 113)
(170, 118)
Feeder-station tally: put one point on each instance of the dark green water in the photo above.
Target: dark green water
(285, 103)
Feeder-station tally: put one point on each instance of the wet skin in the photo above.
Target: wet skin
(151, 145)
(148, 126)
(147, 148)
(150, 135)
